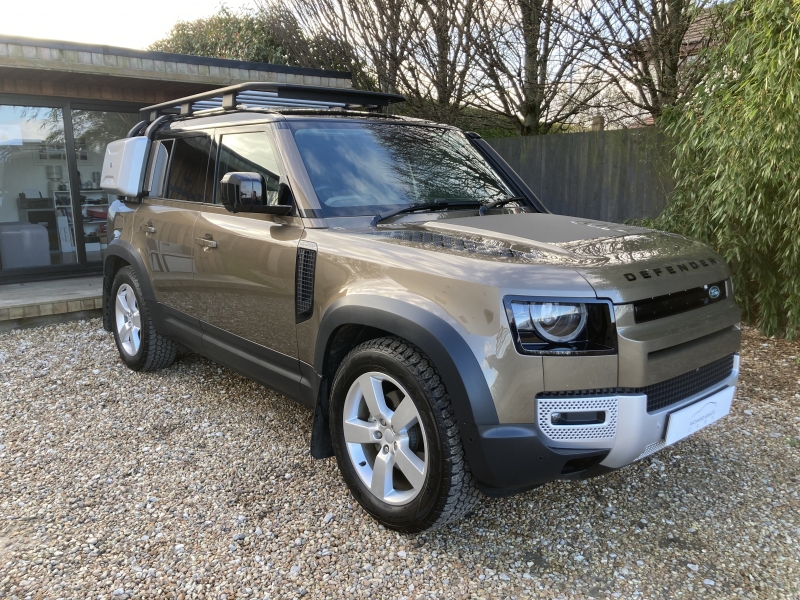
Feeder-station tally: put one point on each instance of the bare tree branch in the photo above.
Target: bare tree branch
(649, 49)
(531, 57)
(437, 77)
(378, 31)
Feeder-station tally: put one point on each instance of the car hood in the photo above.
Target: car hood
(621, 262)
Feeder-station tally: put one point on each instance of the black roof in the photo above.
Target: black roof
(272, 95)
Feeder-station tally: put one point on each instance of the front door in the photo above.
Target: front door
(245, 270)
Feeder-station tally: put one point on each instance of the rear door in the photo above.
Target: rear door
(245, 270)
(178, 178)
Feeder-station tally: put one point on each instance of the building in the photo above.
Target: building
(60, 104)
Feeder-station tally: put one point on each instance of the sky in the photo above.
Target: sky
(127, 24)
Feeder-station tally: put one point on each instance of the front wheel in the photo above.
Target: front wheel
(396, 439)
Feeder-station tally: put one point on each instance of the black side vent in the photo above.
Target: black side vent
(304, 282)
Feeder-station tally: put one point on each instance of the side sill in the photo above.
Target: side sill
(272, 369)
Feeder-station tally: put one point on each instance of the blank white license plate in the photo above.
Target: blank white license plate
(686, 421)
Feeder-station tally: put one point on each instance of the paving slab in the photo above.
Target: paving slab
(57, 290)
(45, 302)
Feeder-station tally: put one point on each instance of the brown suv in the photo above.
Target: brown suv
(400, 280)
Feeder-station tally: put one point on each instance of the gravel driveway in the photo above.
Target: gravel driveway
(194, 482)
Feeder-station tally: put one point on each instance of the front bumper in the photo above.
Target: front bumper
(515, 457)
(641, 433)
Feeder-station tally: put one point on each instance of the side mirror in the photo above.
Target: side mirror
(241, 191)
(247, 192)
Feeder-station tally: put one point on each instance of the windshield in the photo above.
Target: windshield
(369, 168)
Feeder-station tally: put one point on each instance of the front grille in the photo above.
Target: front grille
(665, 393)
(672, 391)
(667, 305)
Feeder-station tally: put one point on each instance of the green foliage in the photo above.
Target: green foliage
(647, 223)
(303, 47)
(239, 36)
(271, 34)
(737, 160)
(496, 131)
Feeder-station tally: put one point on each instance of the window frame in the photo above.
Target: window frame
(149, 167)
(267, 129)
(175, 136)
(227, 133)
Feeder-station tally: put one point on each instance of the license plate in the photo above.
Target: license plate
(686, 421)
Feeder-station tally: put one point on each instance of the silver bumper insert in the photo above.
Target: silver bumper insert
(553, 418)
(629, 431)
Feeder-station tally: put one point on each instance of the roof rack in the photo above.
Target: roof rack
(272, 95)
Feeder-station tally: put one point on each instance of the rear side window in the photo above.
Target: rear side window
(157, 168)
(189, 176)
(250, 153)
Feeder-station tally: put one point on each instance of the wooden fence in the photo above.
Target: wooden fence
(605, 175)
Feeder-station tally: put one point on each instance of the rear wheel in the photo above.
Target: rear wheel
(395, 437)
(140, 346)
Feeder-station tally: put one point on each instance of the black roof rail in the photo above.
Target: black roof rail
(261, 94)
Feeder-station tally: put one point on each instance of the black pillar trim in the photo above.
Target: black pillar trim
(74, 184)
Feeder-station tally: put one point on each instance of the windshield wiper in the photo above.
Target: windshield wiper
(487, 207)
(423, 206)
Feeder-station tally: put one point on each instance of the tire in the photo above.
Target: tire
(140, 346)
(377, 458)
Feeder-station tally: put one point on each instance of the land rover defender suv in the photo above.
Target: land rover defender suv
(451, 336)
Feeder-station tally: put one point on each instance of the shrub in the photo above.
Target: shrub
(737, 160)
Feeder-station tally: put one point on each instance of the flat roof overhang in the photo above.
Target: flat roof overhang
(101, 73)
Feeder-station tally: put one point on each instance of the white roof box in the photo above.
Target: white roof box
(123, 167)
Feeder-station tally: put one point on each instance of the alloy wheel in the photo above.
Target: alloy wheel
(128, 320)
(385, 438)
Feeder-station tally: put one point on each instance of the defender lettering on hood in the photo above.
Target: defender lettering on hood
(671, 269)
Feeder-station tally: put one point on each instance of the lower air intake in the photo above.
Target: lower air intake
(665, 393)
(553, 417)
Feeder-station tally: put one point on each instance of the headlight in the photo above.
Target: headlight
(556, 326)
(558, 322)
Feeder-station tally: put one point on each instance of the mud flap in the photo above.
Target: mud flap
(321, 442)
(108, 282)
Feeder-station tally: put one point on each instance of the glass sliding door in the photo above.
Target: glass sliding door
(52, 210)
(92, 131)
(37, 225)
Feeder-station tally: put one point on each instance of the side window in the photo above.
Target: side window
(157, 169)
(250, 153)
(188, 170)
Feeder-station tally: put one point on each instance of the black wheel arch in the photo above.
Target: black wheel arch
(121, 254)
(370, 316)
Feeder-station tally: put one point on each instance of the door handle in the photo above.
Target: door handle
(207, 243)
(149, 229)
